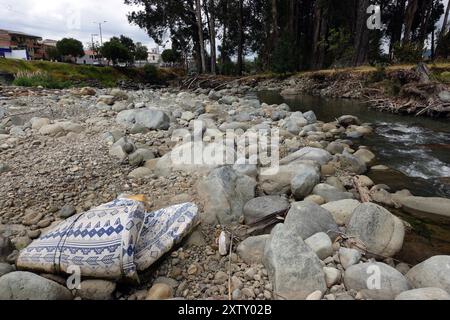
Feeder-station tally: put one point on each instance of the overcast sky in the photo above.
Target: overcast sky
(55, 19)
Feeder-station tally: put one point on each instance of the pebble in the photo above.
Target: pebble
(160, 291)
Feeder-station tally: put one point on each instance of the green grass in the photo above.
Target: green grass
(62, 75)
(39, 78)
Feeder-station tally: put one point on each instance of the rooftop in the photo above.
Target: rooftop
(18, 33)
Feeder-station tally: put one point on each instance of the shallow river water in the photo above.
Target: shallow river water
(416, 148)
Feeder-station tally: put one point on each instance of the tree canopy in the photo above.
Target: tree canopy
(70, 47)
(115, 51)
(292, 35)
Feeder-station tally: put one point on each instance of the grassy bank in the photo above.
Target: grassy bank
(62, 75)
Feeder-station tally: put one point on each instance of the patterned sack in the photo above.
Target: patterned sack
(113, 241)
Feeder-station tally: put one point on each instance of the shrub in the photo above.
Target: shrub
(408, 53)
(151, 73)
(38, 78)
(379, 75)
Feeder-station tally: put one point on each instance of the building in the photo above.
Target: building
(46, 46)
(11, 41)
(154, 57)
(89, 58)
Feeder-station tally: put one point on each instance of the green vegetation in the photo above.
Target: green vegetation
(61, 75)
(70, 47)
(39, 78)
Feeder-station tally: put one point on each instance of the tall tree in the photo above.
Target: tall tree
(410, 14)
(240, 57)
(198, 14)
(362, 34)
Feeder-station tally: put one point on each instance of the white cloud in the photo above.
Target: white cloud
(55, 19)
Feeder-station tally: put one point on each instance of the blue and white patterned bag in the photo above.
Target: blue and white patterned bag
(112, 241)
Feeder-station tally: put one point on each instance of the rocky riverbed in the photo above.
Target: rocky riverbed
(330, 227)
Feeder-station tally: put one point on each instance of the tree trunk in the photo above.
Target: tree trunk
(397, 25)
(444, 25)
(409, 19)
(198, 12)
(212, 35)
(362, 34)
(428, 6)
(240, 62)
(443, 32)
(275, 29)
(320, 32)
(223, 50)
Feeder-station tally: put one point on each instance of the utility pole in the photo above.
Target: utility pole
(100, 28)
(93, 46)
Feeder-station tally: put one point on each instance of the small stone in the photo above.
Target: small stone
(332, 276)
(321, 244)
(96, 290)
(160, 291)
(349, 257)
(221, 277)
(67, 211)
(249, 293)
(315, 296)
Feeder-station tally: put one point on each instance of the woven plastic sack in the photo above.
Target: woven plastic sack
(112, 241)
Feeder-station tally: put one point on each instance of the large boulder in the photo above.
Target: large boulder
(366, 156)
(148, 118)
(380, 231)
(342, 210)
(434, 272)
(436, 209)
(38, 123)
(224, 193)
(304, 182)
(279, 183)
(349, 120)
(251, 250)
(308, 218)
(195, 157)
(259, 208)
(51, 129)
(352, 163)
(376, 280)
(320, 156)
(330, 193)
(294, 269)
(29, 286)
(424, 294)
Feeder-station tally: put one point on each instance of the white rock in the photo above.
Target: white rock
(349, 257)
(321, 244)
(332, 276)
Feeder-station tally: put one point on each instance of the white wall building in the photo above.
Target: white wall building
(154, 57)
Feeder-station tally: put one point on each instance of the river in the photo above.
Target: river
(417, 149)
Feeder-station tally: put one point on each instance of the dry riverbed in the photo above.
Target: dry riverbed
(65, 152)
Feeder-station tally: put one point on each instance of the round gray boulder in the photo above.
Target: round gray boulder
(29, 286)
(380, 231)
(259, 208)
(434, 272)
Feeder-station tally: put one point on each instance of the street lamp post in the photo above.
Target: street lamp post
(100, 28)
